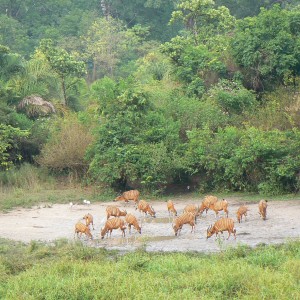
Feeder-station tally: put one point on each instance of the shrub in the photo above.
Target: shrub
(66, 147)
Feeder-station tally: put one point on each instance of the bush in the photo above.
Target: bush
(232, 97)
(246, 159)
(66, 147)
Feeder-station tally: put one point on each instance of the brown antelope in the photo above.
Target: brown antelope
(192, 208)
(89, 220)
(144, 206)
(208, 200)
(129, 195)
(111, 224)
(223, 224)
(242, 211)
(171, 208)
(218, 206)
(186, 218)
(131, 220)
(113, 210)
(262, 207)
(81, 228)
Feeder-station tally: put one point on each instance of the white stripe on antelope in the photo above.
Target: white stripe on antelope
(218, 206)
(223, 224)
(171, 208)
(242, 211)
(81, 228)
(144, 206)
(129, 195)
(114, 211)
(208, 200)
(111, 224)
(131, 220)
(89, 220)
(192, 208)
(186, 218)
(262, 207)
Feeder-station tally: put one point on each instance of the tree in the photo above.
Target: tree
(134, 143)
(154, 14)
(10, 63)
(267, 47)
(9, 138)
(64, 64)
(13, 35)
(245, 8)
(195, 65)
(108, 43)
(204, 20)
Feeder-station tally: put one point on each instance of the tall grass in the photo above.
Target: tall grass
(27, 177)
(28, 185)
(72, 271)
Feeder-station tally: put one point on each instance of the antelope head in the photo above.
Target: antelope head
(209, 232)
(152, 212)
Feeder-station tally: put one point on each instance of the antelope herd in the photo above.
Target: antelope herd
(190, 213)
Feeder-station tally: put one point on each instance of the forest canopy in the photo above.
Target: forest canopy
(150, 94)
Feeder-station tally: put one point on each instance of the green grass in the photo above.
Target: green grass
(72, 271)
(28, 185)
(26, 198)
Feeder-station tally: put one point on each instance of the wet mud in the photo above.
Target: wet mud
(50, 222)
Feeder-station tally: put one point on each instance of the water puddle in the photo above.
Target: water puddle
(243, 233)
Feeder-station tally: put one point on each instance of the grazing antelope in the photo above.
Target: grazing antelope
(223, 224)
(113, 210)
(171, 208)
(186, 218)
(81, 228)
(129, 195)
(262, 206)
(131, 220)
(242, 211)
(144, 206)
(89, 220)
(218, 206)
(208, 200)
(111, 224)
(192, 208)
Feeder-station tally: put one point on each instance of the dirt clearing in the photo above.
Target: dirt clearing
(50, 222)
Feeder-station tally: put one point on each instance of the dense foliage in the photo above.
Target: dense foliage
(153, 93)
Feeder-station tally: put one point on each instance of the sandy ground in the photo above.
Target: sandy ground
(50, 222)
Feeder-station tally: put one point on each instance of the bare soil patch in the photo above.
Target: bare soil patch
(50, 222)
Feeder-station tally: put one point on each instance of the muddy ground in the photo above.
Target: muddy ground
(50, 222)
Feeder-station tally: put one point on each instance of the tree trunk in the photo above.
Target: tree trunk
(63, 85)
